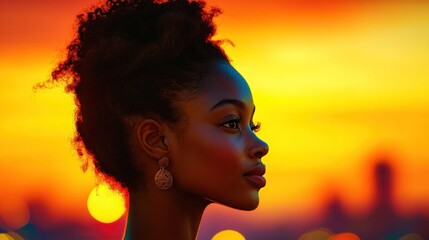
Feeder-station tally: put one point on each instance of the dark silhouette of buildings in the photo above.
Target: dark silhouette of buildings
(383, 221)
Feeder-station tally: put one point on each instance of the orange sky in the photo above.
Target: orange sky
(334, 84)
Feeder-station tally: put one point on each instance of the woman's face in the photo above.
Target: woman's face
(218, 156)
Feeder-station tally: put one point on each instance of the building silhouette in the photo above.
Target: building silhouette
(383, 220)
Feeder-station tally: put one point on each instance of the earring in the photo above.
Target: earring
(163, 178)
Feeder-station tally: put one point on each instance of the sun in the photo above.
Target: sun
(105, 205)
(228, 235)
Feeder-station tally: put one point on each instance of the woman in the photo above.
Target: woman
(162, 115)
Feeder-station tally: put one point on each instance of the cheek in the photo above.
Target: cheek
(224, 156)
(210, 152)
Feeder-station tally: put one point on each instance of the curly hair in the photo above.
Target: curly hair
(133, 58)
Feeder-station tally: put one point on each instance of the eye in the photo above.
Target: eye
(233, 124)
(255, 127)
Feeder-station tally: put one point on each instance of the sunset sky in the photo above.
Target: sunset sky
(337, 84)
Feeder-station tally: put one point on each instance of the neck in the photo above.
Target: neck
(157, 214)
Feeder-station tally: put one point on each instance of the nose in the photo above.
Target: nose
(258, 149)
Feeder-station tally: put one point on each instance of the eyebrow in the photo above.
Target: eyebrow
(234, 102)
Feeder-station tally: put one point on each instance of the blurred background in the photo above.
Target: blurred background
(341, 89)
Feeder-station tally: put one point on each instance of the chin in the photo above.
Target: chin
(240, 206)
(249, 207)
(246, 203)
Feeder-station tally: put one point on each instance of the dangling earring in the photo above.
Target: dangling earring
(163, 178)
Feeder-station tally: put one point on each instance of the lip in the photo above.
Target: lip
(255, 176)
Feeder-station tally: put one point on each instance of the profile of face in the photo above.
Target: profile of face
(218, 156)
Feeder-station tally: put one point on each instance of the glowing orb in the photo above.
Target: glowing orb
(4, 236)
(344, 236)
(10, 236)
(228, 235)
(105, 205)
(14, 212)
(411, 236)
(321, 233)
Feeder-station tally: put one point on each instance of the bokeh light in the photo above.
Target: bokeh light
(319, 234)
(10, 236)
(14, 213)
(5, 236)
(105, 205)
(344, 236)
(326, 234)
(412, 236)
(228, 235)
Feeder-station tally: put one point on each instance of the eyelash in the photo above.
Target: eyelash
(254, 127)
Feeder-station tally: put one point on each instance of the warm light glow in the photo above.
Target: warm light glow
(105, 205)
(4, 236)
(344, 236)
(228, 235)
(412, 236)
(14, 212)
(316, 234)
(10, 236)
(326, 234)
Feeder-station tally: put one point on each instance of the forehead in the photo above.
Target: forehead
(222, 81)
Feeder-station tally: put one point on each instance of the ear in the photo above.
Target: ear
(152, 138)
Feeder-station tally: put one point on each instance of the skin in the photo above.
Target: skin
(209, 159)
